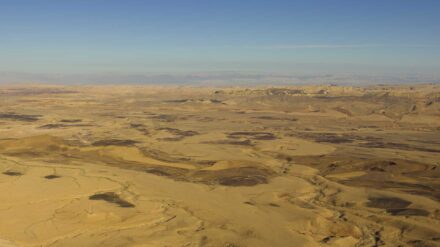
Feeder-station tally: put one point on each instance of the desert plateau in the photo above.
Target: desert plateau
(127, 165)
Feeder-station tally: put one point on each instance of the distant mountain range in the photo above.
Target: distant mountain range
(214, 78)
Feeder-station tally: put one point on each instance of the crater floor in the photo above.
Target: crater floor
(226, 167)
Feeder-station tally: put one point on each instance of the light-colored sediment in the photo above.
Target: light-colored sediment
(167, 166)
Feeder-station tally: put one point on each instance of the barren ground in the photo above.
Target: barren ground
(227, 167)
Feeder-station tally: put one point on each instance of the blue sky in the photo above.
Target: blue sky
(176, 36)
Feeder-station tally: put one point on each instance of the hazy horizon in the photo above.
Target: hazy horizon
(222, 42)
(219, 78)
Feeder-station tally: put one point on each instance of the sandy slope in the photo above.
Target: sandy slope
(166, 166)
